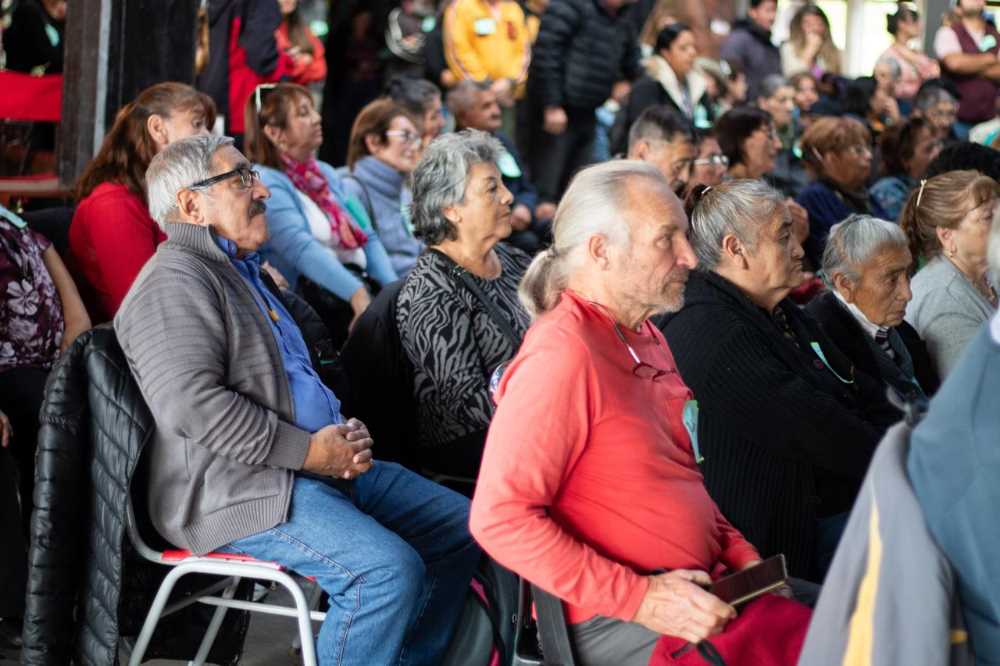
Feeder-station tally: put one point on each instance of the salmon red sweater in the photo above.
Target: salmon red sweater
(588, 481)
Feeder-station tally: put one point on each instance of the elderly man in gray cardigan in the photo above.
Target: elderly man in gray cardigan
(251, 454)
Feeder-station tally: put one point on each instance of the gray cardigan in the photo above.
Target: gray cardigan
(209, 368)
(946, 311)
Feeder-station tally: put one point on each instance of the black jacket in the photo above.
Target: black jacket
(845, 331)
(647, 92)
(785, 440)
(86, 586)
(749, 47)
(581, 51)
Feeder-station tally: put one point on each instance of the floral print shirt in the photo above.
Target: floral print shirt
(31, 319)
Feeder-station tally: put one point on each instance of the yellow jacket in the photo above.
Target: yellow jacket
(480, 45)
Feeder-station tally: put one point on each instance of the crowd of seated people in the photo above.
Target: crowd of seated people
(713, 329)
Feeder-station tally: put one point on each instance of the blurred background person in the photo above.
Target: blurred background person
(296, 40)
(710, 165)
(583, 50)
(906, 151)
(422, 100)
(475, 106)
(915, 67)
(777, 97)
(935, 103)
(810, 46)
(489, 41)
(670, 79)
(967, 44)
(750, 47)
(34, 41)
(665, 139)
(838, 153)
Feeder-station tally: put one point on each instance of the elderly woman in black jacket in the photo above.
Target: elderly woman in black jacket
(787, 425)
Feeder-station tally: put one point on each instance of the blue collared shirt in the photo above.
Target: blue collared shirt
(313, 404)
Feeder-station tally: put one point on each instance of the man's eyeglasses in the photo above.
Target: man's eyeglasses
(247, 175)
(407, 136)
(715, 160)
(641, 369)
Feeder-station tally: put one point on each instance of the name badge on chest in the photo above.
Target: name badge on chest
(485, 26)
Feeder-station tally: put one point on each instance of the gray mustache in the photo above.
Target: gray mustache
(257, 208)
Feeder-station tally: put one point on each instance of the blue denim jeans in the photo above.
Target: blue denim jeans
(395, 555)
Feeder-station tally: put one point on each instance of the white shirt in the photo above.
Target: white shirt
(870, 328)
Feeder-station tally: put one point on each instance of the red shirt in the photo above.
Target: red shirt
(588, 481)
(112, 236)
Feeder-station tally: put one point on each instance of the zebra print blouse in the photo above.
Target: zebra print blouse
(454, 345)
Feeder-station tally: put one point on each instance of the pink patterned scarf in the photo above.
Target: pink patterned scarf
(308, 179)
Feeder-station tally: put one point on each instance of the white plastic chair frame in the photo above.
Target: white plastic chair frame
(235, 571)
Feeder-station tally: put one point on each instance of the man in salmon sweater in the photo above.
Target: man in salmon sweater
(589, 484)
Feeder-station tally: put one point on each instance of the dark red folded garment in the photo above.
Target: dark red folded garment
(768, 632)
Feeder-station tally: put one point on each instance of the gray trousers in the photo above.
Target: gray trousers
(603, 641)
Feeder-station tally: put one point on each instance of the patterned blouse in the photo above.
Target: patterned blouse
(31, 319)
(453, 343)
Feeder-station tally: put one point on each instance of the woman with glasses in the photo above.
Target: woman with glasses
(320, 238)
(384, 148)
(458, 313)
(710, 166)
(786, 425)
(112, 235)
(838, 153)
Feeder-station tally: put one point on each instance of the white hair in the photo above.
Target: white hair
(177, 167)
(739, 208)
(594, 204)
(440, 179)
(856, 240)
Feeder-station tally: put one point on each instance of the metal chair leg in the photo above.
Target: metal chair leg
(162, 595)
(213, 627)
(303, 619)
(314, 598)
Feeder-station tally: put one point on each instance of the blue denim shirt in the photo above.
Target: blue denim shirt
(313, 404)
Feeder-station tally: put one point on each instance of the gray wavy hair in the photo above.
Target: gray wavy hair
(441, 177)
(854, 241)
(594, 204)
(737, 207)
(175, 168)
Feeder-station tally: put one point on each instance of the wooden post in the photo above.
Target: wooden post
(85, 83)
(114, 50)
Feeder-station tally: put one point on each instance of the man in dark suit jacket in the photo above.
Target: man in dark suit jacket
(866, 262)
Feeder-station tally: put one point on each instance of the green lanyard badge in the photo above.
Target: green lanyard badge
(690, 418)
